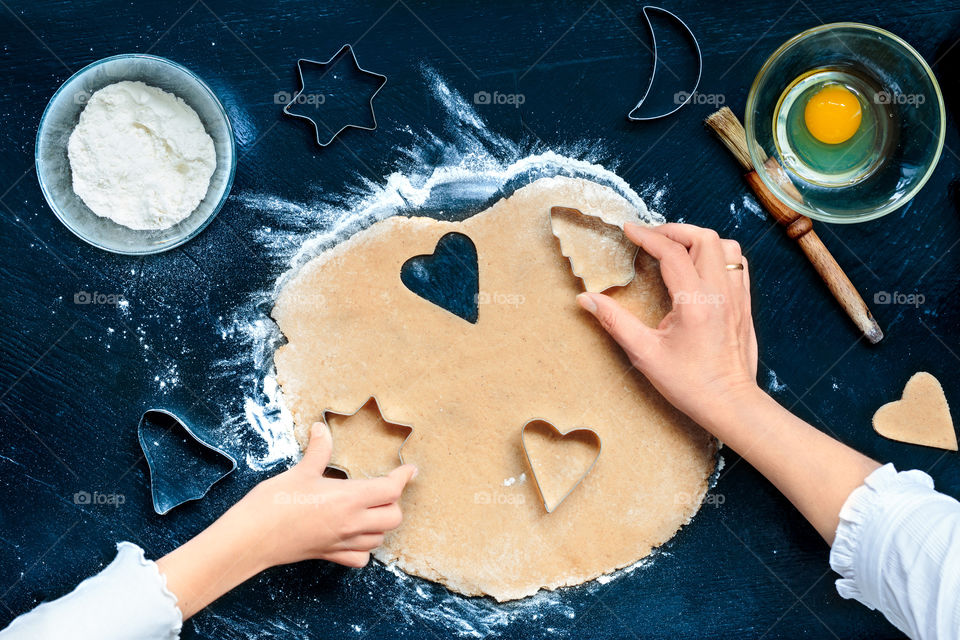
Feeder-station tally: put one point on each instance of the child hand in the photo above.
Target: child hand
(313, 517)
(297, 515)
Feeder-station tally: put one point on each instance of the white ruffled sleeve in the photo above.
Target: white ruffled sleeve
(128, 600)
(898, 550)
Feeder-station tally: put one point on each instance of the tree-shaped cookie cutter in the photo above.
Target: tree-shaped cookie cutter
(563, 434)
(376, 404)
(573, 269)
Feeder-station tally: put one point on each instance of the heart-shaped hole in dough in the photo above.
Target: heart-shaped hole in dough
(449, 277)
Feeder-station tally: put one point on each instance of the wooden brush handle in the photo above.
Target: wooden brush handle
(800, 228)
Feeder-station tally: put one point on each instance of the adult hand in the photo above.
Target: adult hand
(704, 352)
(703, 359)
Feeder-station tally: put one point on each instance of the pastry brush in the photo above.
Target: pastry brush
(799, 227)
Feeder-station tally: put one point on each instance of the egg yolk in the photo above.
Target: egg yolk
(832, 115)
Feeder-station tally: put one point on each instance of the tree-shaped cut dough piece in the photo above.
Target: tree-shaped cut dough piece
(372, 448)
(599, 253)
(921, 416)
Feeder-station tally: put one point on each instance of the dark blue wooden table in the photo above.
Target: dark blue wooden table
(75, 378)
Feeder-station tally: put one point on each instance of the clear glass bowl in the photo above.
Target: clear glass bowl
(61, 117)
(902, 83)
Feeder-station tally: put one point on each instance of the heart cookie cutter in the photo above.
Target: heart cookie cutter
(558, 211)
(199, 470)
(384, 418)
(302, 62)
(562, 434)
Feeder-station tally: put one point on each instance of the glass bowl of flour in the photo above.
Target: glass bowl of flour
(147, 201)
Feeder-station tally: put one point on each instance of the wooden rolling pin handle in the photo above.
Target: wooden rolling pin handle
(781, 212)
(800, 228)
(840, 285)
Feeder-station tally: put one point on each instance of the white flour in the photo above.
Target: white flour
(140, 156)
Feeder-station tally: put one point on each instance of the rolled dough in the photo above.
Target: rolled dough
(473, 516)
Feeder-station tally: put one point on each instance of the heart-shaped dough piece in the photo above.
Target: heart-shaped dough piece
(922, 416)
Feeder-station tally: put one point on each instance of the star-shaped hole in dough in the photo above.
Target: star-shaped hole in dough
(335, 94)
(365, 443)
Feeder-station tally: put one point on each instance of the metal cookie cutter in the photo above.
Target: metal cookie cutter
(550, 508)
(182, 466)
(559, 211)
(323, 65)
(376, 404)
(653, 74)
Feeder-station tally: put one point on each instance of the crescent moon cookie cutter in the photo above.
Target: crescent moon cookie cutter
(383, 417)
(568, 253)
(547, 505)
(178, 475)
(296, 98)
(653, 73)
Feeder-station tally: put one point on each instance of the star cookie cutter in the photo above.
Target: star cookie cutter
(556, 211)
(561, 436)
(181, 468)
(653, 74)
(333, 60)
(376, 404)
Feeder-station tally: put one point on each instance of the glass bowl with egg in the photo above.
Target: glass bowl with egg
(167, 204)
(845, 122)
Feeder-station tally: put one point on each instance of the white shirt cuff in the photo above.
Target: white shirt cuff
(128, 599)
(898, 549)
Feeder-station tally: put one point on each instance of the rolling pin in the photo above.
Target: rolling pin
(799, 227)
